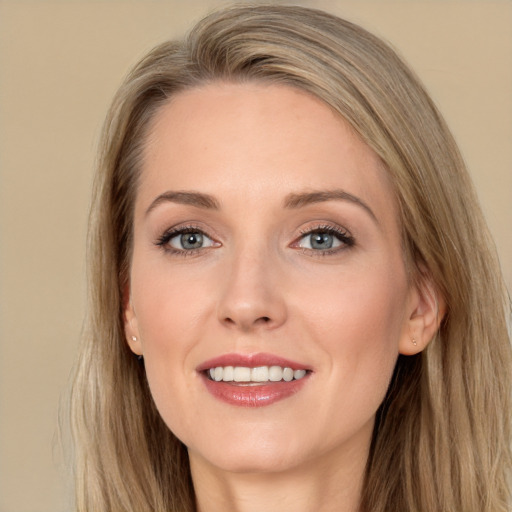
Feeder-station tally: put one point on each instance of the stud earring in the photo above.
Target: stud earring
(414, 342)
(139, 357)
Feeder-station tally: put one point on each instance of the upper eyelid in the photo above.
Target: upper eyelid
(184, 228)
(331, 228)
(324, 227)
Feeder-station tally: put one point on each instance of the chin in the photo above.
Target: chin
(257, 455)
(254, 463)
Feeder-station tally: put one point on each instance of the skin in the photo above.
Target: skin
(259, 287)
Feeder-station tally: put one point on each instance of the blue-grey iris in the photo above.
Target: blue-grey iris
(191, 240)
(321, 240)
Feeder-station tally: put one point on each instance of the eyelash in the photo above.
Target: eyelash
(163, 241)
(342, 235)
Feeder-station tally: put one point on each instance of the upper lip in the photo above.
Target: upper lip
(251, 361)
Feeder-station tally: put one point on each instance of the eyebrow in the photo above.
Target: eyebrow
(294, 201)
(197, 199)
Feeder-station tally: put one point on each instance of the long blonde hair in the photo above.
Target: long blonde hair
(441, 437)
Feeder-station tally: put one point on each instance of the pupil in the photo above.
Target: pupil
(321, 241)
(192, 240)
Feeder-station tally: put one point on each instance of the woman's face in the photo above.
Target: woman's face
(266, 236)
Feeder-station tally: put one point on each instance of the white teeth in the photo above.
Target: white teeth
(298, 374)
(258, 374)
(287, 374)
(241, 374)
(275, 374)
(218, 373)
(227, 375)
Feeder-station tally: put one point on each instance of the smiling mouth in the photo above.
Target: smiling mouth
(253, 380)
(254, 386)
(253, 376)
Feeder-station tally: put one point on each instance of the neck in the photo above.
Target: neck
(322, 486)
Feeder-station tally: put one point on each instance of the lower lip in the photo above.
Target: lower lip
(253, 395)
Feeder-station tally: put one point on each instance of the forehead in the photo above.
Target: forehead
(256, 140)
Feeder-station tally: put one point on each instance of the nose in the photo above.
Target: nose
(252, 297)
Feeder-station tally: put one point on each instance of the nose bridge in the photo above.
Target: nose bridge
(252, 297)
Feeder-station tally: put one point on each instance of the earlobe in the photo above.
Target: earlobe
(130, 326)
(426, 311)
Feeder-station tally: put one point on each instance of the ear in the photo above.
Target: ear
(130, 324)
(426, 309)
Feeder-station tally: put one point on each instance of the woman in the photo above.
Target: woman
(295, 301)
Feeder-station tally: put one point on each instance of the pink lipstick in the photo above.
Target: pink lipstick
(253, 380)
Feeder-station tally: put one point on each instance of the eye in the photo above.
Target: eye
(327, 239)
(320, 241)
(185, 240)
(188, 241)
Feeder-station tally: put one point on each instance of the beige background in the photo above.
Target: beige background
(60, 64)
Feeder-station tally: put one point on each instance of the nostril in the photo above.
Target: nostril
(248, 322)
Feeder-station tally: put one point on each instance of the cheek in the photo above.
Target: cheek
(169, 303)
(362, 305)
(167, 325)
(358, 320)
(173, 307)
